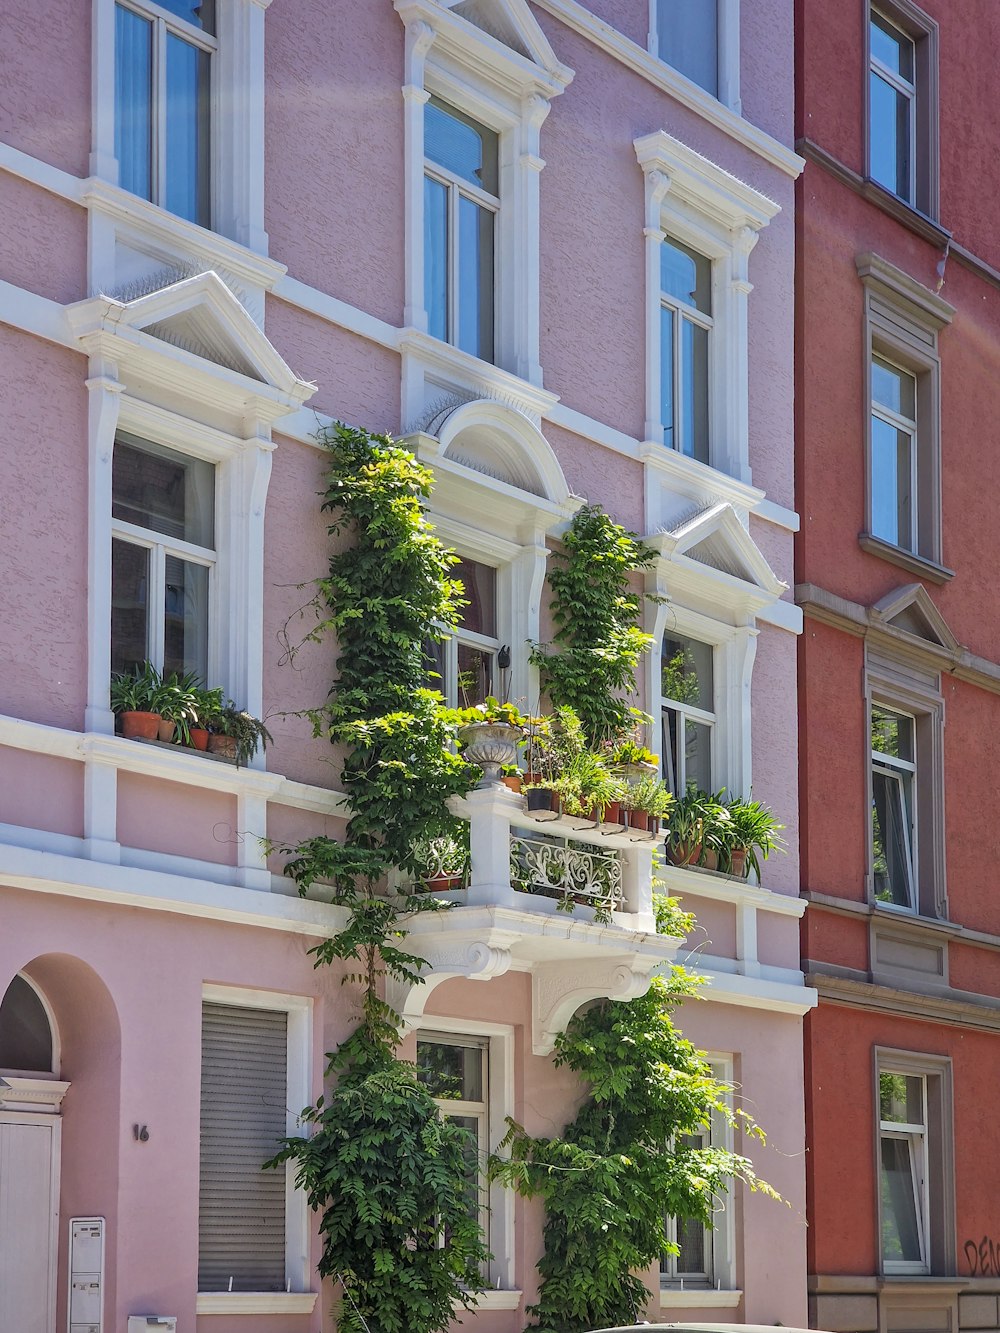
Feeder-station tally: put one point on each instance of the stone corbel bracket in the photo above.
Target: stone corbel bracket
(448, 957)
(559, 989)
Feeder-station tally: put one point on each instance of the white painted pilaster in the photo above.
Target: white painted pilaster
(102, 421)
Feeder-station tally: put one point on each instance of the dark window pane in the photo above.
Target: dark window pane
(890, 839)
(697, 755)
(687, 672)
(480, 581)
(900, 1229)
(133, 101)
(157, 488)
(894, 388)
(187, 151)
(25, 1035)
(694, 392)
(667, 320)
(901, 1098)
(892, 733)
(892, 47)
(691, 1239)
(461, 145)
(475, 279)
(892, 484)
(688, 39)
(476, 674)
(129, 606)
(436, 257)
(185, 618)
(451, 1072)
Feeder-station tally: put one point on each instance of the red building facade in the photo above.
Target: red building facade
(898, 475)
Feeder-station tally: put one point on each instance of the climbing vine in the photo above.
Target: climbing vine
(622, 1166)
(590, 664)
(387, 1175)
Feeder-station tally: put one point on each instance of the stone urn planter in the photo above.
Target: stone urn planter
(490, 746)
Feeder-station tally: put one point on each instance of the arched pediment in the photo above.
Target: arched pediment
(716, 540)
(498, 441)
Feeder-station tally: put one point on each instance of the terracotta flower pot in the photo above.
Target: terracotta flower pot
(684, 853)
(224, 747)
(199, 738)
(639, 819)
(165, 731)
(709, 859)
(443, 883)
(738, 862)
(140, 726)
(613, 814)
(513, 782)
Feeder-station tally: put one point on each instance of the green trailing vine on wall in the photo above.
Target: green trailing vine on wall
(387, 1175)
(595, 651)
(622, 1165)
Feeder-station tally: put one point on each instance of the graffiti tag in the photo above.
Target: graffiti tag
(983, 1257)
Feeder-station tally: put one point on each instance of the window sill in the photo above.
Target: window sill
(706, 1298)
(492, 1299)
(256, 1302)
(895, 555)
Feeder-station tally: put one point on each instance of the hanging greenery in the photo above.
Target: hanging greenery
(622, 1166)
(598, 644)
(388, 1176)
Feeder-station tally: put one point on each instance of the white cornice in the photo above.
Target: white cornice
(38, 1095)
(256, 1302)
(697, 180)
(686, 881)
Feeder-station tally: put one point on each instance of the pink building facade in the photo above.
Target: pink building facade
(550, 246)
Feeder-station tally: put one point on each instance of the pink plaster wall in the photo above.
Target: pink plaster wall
(45, 91)
(775, 749)
(185, 821)
(334, 105)
(714, 930)
(41, 791)
(43, 242)
(43, 531)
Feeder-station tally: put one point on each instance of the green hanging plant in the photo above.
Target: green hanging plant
(590, 664)
(387, 1175)
(622, 1166)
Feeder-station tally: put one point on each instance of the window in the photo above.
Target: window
(700, 226)
(454, 1070)
(244, 1095)
(163, 59)
(25, 1032)
(253, 1225)
(162, 558)
(894, 781)
(688, 38)
(685, 331)
(894, 454)
(903, 428)
(705, 1258)
(902, 103)
(461, 198)
(915, 1163)
(688, 694)
(467, 662)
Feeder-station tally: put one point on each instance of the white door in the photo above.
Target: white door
(28, 1166)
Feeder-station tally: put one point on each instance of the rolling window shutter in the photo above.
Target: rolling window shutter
(243, 1116)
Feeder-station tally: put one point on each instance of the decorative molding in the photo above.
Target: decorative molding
(42, 1095)
(913, 564)
(558, 989)
(952, 1007)
(698, 1298)
(668, 80)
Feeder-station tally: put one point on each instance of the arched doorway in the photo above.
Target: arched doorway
(30, 1128)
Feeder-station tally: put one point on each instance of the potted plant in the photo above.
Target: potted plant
(235, 735)
(512, 777)
(632, 760)
(755, 834)
(176, 704)
(685, 828)
(490, 734)
(595, 794)
(207, 703)
(647, 801)
(132, 698)
(443, 862)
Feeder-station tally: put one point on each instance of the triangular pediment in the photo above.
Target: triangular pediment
(510, 27)
(716, 538)
(494, 17)
(911, 610)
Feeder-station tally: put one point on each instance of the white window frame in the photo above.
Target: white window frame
(500, 1105)
(681, 311)
(236, 133)
(728, 74)
(298, 1235)
(164, 22)
(685, 711)
(694, 201)
(447, 56)
(449, 684)
(908, 90)
(160, 546)
(720, 1239)
(916, 1135)
(901, 770)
